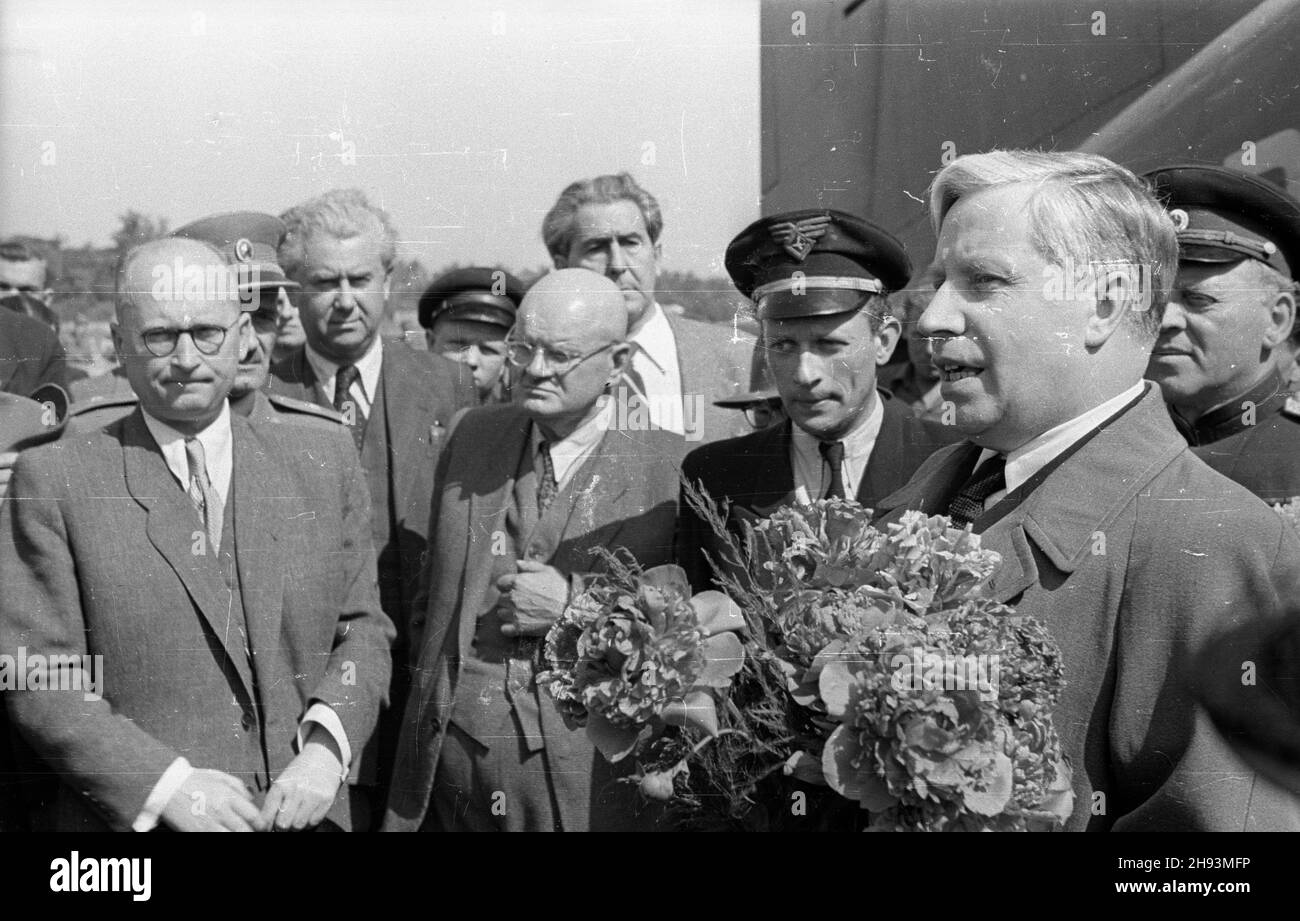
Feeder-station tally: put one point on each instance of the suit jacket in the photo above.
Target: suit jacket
(714, 364)
(1134, 554)
(30, 355)
(625, 497)
(755, 474)
(97, 558)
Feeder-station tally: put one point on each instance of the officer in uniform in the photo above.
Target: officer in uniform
(819, 281)
(466, 314)
(1232, 309)
(247, 241)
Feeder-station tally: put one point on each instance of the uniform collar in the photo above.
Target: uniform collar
(1266, 398)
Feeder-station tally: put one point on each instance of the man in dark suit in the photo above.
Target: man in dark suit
(398, 401)
(524, 493)
(206, 584)
(30, 355)
(1130, 550)
(679, 366)
(1230, 316)
(819, 279)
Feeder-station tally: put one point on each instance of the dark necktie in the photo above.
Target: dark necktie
(833, 453)
(988, 478)
(347, 376)
(202, 494)
(547, 487)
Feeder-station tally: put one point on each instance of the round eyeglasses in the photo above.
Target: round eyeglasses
(207, 338)
(521, 354)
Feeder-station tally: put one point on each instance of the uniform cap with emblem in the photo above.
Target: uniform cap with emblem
(247, 241)
(478, 294)
(1225, 216)
(814, 263)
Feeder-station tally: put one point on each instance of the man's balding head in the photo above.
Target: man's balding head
(573, 318)
(183, 290)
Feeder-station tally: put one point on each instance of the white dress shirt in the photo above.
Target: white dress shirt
(655, 359)
(812, 474)
(219, 458)
(1037, 453)
(364, 389)
(568, 454)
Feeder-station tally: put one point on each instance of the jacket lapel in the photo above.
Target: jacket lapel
(772, 472)
(260, 489)
(175, 530)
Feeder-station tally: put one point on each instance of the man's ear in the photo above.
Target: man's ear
(388, 282)
(1281, 319)
(46, 296)
(119, 340)
(560, 262)
(244, 327)
(888, 336)
(1117, 292)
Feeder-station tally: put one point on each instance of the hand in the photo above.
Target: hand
(211, 801)
(305, 790)
(532, 599)
(7, 460)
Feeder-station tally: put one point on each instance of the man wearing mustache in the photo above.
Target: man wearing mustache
(1049, 275)
(1227, 323)
(819, 279)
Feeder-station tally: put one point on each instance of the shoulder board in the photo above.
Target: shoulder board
(94, 403)
(1292, 406)
(290, 405)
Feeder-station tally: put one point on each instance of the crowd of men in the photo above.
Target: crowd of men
(276, 573)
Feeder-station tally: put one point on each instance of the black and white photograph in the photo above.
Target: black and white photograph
(797, 416)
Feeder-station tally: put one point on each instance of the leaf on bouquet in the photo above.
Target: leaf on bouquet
(614, 742)
(717, 613)
(695, 709)
(724, 655)
(667, 576)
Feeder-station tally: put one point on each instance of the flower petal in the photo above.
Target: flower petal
(993, 800)
(856, 783)
(668, 576)
(715, 612)
(833, 686)
(611, 741)
(695, 709)
(723, 657)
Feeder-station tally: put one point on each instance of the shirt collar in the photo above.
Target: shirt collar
(858, 441)
(368, 365)
(655, 339)
(1033, 455)
(568, 453)
(218, 452)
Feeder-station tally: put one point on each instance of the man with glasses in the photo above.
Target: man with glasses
(523, 493)
(819, 280)
(209, 578)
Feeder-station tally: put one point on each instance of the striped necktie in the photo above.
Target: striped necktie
(202, 494)
(547, 487)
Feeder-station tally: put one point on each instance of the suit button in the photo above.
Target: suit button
(246, 721)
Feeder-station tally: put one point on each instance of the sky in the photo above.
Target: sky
(463, 119)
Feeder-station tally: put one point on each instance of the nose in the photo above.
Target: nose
(807, 370)
(470, 355)
(941, 318)
(186, 354)
(345, 298)
(617, 260)
(537, 368)
(1173, 319)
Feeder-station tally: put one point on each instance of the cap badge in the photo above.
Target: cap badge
(799, 238)
(1180, 218)
(244, 250)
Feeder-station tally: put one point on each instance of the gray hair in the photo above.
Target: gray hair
(338, 213)
(1086, 210)
(557, 227)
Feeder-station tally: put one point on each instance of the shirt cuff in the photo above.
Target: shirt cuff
(176, 774)
(323, 715)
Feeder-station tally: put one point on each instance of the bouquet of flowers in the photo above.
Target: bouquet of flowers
(635, 654)
(861, 668)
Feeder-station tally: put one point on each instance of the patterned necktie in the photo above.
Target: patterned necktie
(833, 453)
(988, 478)
(202, 494)
(347, 376)
(547, 487)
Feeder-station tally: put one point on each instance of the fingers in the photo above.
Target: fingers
(506, 583)
(239, 814)
(233, 783)
(531, 566)
(270, 807)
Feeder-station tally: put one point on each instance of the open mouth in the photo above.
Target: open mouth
(951, 371)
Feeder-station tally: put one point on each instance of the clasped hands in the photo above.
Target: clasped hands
(298, 799)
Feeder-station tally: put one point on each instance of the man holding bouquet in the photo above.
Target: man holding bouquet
(1050, 275)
